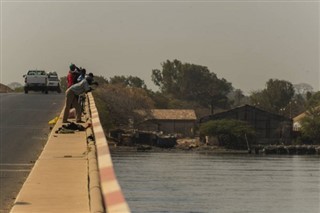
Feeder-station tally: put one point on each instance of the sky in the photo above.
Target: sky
(245, 42)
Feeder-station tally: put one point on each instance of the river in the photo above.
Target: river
(206, 182)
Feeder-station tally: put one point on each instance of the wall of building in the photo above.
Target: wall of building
(183, 128)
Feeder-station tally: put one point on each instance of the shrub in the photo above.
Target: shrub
(230, 133)
(310, 127)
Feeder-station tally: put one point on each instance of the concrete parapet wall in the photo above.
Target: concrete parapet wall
(113, 198)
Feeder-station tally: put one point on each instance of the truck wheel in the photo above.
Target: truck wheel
(46, 91)
(26, 91)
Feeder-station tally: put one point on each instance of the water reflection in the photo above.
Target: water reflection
(194, 182)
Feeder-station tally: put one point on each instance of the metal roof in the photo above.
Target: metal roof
(169, 114)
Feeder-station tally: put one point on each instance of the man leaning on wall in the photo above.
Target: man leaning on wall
(72, 95)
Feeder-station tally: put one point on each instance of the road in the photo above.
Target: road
(24, 131)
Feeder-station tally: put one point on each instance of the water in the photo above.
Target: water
(197, 182)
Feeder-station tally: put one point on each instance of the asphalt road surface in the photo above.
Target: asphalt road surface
(24, 131)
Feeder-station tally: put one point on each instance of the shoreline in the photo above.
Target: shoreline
(261, 151)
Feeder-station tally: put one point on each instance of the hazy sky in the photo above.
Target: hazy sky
(245, 42)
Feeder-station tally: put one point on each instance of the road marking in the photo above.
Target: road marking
(15, 170)
(12, 167)
(16, 164)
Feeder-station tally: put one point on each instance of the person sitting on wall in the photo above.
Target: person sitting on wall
(72, 95)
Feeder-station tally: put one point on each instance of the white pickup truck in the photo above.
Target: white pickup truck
(36, 80)
(53, 82)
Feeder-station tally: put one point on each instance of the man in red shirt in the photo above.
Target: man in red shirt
(72, 75)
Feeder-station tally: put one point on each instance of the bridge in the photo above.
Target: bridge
(74, 173)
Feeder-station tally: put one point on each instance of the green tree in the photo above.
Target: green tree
(118, 104)
(15, 85)
(313, 100)
(296, 106)
(160, 101)
(100, 80)
(19, 89)
(190, 82)
(276, 96)
(302, 88)
(130, 81)
(237, 98)
(230, 133)
(310, 126)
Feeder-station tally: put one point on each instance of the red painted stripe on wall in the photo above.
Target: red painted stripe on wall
(107, 174)
(114, 198)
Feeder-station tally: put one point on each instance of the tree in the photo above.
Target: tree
(310, 126)
(313, 100)
(160, 101)
(117, 103)
(230, 133)
(15, 85)
(237, 98)
(302, 88)
(130, 81)
(296, 106)
(19, 89)
(276, 96)
(190, 82)
(101, 80)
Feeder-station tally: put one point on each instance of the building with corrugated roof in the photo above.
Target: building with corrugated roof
(270, 128)
(168, 121)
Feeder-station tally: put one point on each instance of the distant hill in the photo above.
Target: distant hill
(4, 89)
